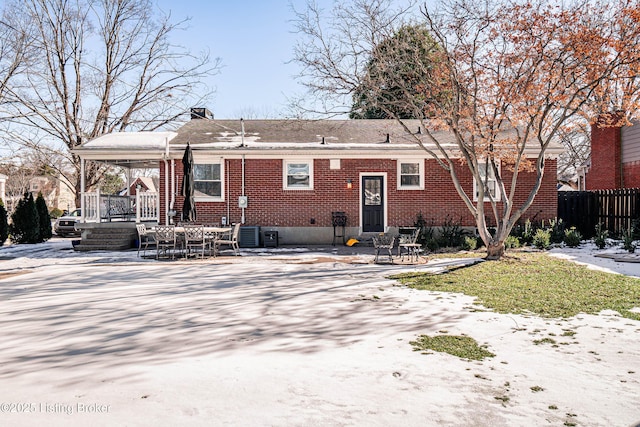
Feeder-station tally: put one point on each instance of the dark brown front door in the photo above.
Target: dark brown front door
(372, 204)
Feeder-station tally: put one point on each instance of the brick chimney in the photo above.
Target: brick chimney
(606, 156)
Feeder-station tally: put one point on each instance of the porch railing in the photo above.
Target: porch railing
(147, 206)
(144, 206)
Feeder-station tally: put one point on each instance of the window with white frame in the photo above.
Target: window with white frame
(410, 175)
(487, 177)
(298, 175)
(207, 179)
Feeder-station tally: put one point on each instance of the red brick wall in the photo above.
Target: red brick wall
(606, 157)
(270, 205)
(631, 173)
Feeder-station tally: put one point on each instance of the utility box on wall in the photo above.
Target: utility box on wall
(270, 239)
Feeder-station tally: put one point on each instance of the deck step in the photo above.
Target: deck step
(107, 239)
(99, 247)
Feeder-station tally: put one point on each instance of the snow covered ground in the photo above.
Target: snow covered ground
(295, 338)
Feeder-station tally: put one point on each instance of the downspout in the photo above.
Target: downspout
(242, 220)
(166, 181)
(228, 176)
(173, 187)
(166, 191)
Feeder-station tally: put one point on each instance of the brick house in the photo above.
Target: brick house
(615, 158)
(290, 175)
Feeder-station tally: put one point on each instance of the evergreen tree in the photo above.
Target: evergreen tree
(397, 75)
(44, 218)
(4, 225)
(25, 224)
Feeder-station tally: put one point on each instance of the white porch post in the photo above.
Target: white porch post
(98, 214)
(138, 204)
(82, 191)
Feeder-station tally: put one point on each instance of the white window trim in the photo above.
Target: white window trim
(222, 181)
(399, 185)
(497, 197)
(285, 163)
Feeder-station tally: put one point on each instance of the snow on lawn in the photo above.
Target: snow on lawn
(612, 259)
(112, 339)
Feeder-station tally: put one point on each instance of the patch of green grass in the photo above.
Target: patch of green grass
(536, 389)
(544, 341)
(460, 346)
(536, 283)
(503, 399)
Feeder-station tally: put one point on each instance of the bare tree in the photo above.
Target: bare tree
(509, 77)
(16, 50)
(103, 66)
(19, 183)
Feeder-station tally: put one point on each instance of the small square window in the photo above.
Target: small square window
(207, 180)
(298, 175)
(410, 176)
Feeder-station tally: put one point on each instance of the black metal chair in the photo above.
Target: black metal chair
(408, 245)
(384, 243)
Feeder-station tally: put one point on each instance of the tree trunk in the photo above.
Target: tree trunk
(495, 250)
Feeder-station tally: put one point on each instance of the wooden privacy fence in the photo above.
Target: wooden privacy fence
(616, 210)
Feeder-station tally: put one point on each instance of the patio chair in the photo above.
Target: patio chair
(408, 245)
(166, 240)
(145, 239)
(231, 240)
(195, 239)
(384, 243)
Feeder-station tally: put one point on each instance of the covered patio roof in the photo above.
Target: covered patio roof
(134, 150)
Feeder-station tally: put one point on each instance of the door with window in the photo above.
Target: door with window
(373, 204)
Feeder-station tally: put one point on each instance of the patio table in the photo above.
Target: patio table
(211, 233)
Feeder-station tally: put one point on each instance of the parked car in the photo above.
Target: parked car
(66, 224)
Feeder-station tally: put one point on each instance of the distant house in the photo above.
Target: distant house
(291, 175)
(56, 193)
(615, 158)
(145, 183)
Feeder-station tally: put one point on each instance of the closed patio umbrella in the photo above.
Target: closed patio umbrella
(189, 206)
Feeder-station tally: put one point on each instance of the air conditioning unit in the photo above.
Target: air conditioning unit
(249, 237)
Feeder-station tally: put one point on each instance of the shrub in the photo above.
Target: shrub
(542, 239)
(25, 224)
(432, 245)
(4, 224)
(600, 238)
(572, 237)
(43, 218)
(511, 242)
(557, 230)
(426, 230)
(469, 243)
(627, 241)
(451, 233)
(524, 232)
